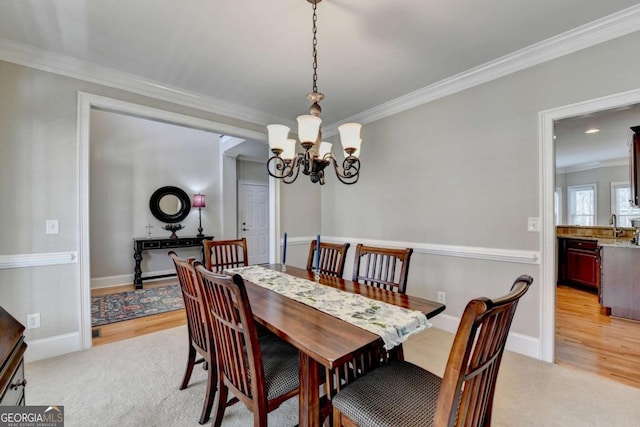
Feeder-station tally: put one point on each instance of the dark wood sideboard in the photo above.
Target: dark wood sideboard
(12, 348)
(146, 244)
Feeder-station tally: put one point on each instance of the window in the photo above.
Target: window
(621, 205)
(581, 200)
(557, 205)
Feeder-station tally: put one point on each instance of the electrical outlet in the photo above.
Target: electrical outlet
(533, 223)
(33, 321)
(442, 297)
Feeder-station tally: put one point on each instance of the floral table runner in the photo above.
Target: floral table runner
(392, 323)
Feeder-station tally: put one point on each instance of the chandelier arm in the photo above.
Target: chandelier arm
(282, 167)
(350, 169)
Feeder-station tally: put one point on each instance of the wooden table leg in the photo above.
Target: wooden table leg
(309, 392)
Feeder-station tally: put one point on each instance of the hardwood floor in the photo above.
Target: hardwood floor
(588, 340)
(141, 326)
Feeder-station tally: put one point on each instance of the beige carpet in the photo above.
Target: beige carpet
(135, 383)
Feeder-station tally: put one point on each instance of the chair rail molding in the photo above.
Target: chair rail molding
(489, 254)
(34, 260)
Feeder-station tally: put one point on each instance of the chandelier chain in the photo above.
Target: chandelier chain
(315, 50)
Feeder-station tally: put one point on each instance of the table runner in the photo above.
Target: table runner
(392, 323)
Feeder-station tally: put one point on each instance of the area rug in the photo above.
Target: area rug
(113, 308)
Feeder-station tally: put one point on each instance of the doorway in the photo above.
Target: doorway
(550, 302)
(253, 219)
(87, 102)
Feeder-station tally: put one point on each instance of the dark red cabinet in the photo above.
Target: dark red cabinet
(579, 262)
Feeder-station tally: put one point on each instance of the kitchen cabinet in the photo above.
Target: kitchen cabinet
(579, 262)
(621, 281)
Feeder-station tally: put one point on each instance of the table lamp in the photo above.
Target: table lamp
(198, 202)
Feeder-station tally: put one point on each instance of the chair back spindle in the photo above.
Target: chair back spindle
(385, 268)
(332, 258)
(221, 254)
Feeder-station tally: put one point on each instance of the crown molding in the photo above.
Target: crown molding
(599, 31)
(68, 66)
(594, 165)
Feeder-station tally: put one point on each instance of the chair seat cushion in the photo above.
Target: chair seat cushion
(281, 366)
(396, 394)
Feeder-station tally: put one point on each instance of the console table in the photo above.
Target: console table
(150, 243)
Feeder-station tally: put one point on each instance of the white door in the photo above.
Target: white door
(253, 217)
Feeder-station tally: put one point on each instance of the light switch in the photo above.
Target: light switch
(533, 223)
(52, 226)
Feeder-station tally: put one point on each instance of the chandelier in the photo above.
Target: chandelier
(286, 164)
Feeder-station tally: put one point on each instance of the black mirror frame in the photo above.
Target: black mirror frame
(154, 204)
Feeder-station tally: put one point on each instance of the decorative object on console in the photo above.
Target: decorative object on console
(198, 202)
(173, 228)
(285, 164)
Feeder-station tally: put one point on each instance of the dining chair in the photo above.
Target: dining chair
(402, 394)
(200, 329)
(386, 268)
(221, 254)
(262, 372)
(332, 258)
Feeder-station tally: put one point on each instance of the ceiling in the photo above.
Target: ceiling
(576, 149)
(257, 54)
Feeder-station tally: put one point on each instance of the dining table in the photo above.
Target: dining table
(323, 341)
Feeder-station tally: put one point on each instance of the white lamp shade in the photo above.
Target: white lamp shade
(308, 127)
(278, 135)
(350, 135)
(289, 149)
(325, 148)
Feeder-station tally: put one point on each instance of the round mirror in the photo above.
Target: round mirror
(170, 204)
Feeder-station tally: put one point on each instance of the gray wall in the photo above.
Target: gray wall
(39, 180)
(251, 171)
(464, 170)
(130, 158)
(602, 177)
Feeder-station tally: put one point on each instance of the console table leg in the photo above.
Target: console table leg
(137, 280)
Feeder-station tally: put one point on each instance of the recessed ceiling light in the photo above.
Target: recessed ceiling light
(592, 130)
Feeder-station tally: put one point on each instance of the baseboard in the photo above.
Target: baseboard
(49, 347)
(518, 343)
(125, 279)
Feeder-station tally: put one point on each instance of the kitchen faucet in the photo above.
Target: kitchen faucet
(613, 220)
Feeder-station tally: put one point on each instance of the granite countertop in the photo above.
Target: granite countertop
(620, 244)
(603, 241)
